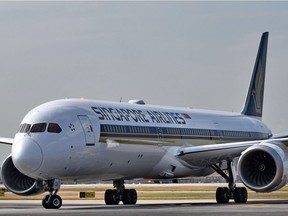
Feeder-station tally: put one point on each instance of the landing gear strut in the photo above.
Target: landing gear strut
(127, 196)
(52, 201)
(224, 194)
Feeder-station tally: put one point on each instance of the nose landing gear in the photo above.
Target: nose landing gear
(52, 201)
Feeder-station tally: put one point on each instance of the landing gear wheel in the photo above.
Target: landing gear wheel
(129, 197)
(52, 202)
(133, 196)
(111, 197)
(240, 195)
(45, 203)
(222, 195)
(55, 202)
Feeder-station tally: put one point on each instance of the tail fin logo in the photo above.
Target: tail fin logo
(258, 91)
(254, 101)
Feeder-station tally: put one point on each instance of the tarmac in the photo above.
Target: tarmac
(146, 208)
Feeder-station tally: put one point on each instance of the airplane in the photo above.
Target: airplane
(89, 140)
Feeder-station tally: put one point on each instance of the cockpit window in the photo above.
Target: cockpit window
(54, 128)
(37, 128)
(24, 128)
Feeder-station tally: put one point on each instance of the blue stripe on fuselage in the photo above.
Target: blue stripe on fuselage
(148, 132)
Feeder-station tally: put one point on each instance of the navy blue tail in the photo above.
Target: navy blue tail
(254, 101)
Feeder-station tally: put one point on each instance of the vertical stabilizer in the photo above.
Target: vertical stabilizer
(254, 101)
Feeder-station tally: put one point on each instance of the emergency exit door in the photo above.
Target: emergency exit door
(88, 130)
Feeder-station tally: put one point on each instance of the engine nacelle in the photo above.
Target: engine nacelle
(17, 182)
(264, 167)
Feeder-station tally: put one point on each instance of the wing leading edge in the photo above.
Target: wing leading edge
(201, 156)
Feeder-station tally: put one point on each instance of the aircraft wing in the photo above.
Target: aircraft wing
(210, 154)
(282, 135)
(6, 141)
(201, 156)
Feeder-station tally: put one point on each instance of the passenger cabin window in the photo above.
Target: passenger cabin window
(54, 128)
(38, 128)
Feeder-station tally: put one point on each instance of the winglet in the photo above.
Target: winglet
(254, 101)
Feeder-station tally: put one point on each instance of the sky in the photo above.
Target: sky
(186, 54)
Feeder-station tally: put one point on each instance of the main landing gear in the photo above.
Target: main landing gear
(52, 201)
(224, 194)
(127, 196)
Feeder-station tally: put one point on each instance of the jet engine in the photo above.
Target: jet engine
(264, 167)
(17, 182)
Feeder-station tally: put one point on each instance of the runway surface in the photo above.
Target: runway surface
(145, 208)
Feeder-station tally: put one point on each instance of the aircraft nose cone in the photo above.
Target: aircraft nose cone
(27, 155)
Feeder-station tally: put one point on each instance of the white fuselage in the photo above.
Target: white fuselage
(97, 140)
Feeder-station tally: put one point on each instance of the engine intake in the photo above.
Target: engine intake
(262, 167)
(17, 182)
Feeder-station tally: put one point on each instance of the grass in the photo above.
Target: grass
(153, 192)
